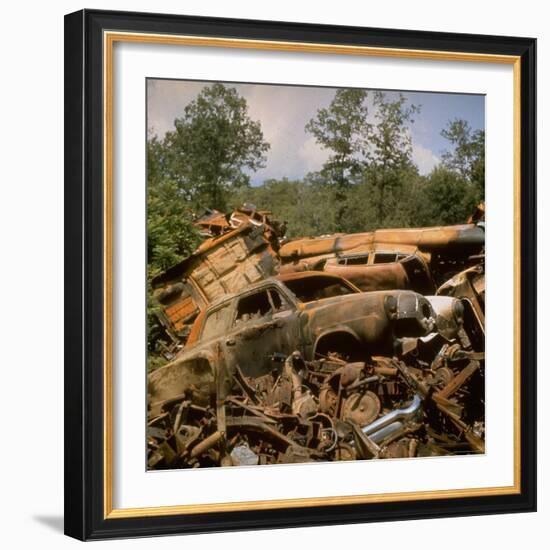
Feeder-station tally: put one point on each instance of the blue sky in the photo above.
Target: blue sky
(283, 112)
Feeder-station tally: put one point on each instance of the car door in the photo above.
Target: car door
(265, 329)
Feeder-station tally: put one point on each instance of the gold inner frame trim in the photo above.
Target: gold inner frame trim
(109, 39)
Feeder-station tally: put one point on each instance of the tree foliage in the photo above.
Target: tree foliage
(370, 147)
(387, 191)
(369, 180)
(467, 158)
(214, 147)
(307, 207)
(443, 198)
(170, 233)
(390, 143)
(390, 167)
(343, 128)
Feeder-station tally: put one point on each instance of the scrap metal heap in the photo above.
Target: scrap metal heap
(428, 400)
(424, 397)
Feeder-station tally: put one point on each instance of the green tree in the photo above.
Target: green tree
(171, 236)
(390, 154)
(390, 143)
(214, 147)
(343, 128)
(305, 206)
(369, 149)
(443, 198)
(170, 232)
(467, 157)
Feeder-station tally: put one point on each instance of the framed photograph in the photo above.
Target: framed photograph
(278, 237)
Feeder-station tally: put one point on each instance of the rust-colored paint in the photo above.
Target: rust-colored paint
(195, 329)
(373, 277)
(180, 312)
(423, 239)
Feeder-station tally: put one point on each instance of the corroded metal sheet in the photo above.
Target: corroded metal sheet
(221, 265)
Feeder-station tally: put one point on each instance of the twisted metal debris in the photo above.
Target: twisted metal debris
(284, 359)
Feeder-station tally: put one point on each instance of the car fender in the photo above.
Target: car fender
(334, 331)
(191, 375)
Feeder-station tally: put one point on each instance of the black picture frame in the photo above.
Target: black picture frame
(85, 517)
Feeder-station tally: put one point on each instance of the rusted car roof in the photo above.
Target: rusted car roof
(286, 277)
(299, 275)
(408, 239)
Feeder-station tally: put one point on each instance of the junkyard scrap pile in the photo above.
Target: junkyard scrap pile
(333, 348)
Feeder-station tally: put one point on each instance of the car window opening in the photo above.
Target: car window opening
(311, 289)
(354, 260)
(253, 306)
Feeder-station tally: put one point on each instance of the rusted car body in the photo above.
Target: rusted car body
(407, 272)
(469, 287)
(445, 250)
(313, 313)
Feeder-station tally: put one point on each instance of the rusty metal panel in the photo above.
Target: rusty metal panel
(409, 240)
(181, 312)
(223, 264)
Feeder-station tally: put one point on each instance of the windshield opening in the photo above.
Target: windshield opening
(310, 289)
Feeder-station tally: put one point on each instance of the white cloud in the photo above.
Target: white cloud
(312, 154)
(166, 101)
(283, 112)
(424, 158)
